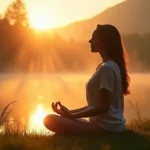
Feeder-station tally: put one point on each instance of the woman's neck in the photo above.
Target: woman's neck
(105, 58)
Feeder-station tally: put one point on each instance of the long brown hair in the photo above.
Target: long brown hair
(112, 43)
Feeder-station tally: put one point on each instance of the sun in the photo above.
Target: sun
(41, 20)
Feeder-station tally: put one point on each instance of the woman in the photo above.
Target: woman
(105, 91)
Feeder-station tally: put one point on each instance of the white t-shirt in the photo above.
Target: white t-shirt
(107, 76)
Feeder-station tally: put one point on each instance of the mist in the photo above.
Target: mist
(32, 89)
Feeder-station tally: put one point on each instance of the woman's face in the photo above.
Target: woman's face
(95, 42)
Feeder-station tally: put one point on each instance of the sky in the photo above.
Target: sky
(55, 13)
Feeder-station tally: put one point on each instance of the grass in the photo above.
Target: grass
(124, 141)
(136, 138)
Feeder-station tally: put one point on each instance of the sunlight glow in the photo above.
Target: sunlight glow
(45, 14)
(39, 116)
(1, 130)
(41, 20)
(36, 121)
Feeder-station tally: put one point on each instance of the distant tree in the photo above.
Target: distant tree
(16, 13)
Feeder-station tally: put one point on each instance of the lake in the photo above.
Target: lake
(34, 94)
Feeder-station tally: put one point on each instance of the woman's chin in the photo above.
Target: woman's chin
(93, 50)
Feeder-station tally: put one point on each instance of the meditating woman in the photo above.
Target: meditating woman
(105, 91)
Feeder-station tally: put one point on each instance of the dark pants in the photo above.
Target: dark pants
(66, 126)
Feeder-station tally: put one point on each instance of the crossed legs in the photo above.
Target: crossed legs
(65, 126)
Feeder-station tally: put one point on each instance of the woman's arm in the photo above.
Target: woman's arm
(91, 111)
(71, 111)
(79, 109)
(96, 110)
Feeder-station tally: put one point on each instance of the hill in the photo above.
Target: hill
(130, 16)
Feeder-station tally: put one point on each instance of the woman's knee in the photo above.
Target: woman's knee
(50, 120)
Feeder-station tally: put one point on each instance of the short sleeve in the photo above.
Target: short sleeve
(107, 78)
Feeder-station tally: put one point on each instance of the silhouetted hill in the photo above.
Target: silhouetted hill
(131, 16)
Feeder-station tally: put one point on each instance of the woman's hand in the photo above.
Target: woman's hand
(55, 109)
(62, 106)
(66, 113)
(63, 111)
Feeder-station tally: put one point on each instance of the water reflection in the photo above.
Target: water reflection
(36, 120)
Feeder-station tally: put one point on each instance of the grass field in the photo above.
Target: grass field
(137, 138)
